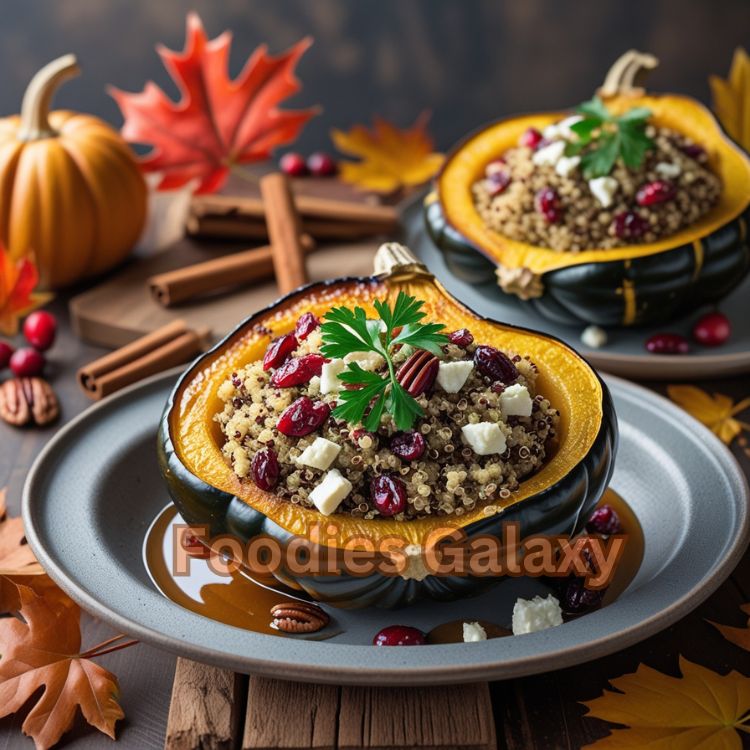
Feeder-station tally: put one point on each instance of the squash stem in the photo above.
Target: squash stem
(38, 97)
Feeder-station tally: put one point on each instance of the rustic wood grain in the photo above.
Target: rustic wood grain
(206, 708)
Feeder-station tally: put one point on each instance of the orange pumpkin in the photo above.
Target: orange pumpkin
(71, 191)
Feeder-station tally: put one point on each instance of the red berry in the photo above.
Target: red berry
(26, 362)
(462, 337)
(577, 599)
(658, 191)
(712, 329)
(388, 494)
(40, 329)
(408, 446)
(293, 164)
(322, 165)
(6, 352)
(604, 520)
(297, 371)
(497, 182)
(531, 137)
(495, 166)
(547, 202)
(265, 469)
(302, 417)
(305, 326)
(399, 635)
(195, 547)
(694, 151)
(279, 350)
(667, 343)
(494, 364)
(630, 226)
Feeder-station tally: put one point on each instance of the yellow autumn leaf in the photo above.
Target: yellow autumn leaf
(700, 709)
(731, 98)
(390, 158)
(739, 636)
(717, 412)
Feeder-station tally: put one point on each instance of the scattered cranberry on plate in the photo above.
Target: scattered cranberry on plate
(40, 329)
(6, 352)
(321, 164)
(399, 635)
(293, 164)
(667, 343)
(26, 362)
(712, 329)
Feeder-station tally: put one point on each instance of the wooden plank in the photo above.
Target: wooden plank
(290, 715)
(206, 707)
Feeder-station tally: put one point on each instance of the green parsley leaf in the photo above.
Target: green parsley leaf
(594, 109)
(635, 143)
(345, 331)
(599, 161)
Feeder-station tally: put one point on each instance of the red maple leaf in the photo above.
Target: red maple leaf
(218, 122)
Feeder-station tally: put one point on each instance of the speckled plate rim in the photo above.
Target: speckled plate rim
(353, 664)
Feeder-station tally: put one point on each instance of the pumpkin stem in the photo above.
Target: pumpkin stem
(38, 97)
(627, 74)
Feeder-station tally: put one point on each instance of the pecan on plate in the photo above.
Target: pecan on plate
(298, 617)
(28, 401)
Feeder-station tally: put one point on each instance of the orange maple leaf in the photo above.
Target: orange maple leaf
(218, 122)
(739, 636)
(717, 412)
(731, 98)
(699, 709)
(42, 651)
(390, 158)
(18, 279)
(16, 557)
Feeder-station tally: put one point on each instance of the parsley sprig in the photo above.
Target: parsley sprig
(604, 137)
(345, 331)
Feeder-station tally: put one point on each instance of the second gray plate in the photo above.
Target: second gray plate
(96, 488)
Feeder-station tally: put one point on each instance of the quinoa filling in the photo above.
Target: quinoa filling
(482, 427)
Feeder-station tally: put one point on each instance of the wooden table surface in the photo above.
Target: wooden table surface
(534, 712)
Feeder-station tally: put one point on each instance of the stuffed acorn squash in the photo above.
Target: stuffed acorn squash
(627, 213)
(221, 472)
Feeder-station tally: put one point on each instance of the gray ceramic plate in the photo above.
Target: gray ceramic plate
(95, 489)
(471, 281)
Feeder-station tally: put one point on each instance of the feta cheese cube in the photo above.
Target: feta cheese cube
(603, 189)
(329, 375)
(484, 438)
(562, 129)
(366, 360)
(668, 170)
(549, 155)
(532, 615)
(516, 401)
(329, 494)
(594, 337)
(320, 454)
(551, 132)
(452, 375)
(474, 632)
(566, 165)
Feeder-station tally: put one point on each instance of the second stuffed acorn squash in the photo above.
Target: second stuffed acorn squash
(621, 286)
(556, 500)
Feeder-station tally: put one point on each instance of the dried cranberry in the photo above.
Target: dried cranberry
(462, 337)
(530, 137)
(629, 226)
(297, 370)
(694, 151)
(547, 202)
(497, 182)
(712, 329)
(604, 520)
(577, 599)
(265, 468)
(408, 446)
(40, 329)
(305, 326)
(26, 362)
(495, 166)
(279, 350)
(6, 352)
(293, 164)
(658, 191)
(399, 635)
(388, 494)
(494, 364)
(667, 343)
(322, 165)
(302, 417)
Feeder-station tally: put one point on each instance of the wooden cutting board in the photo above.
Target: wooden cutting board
(121, 309)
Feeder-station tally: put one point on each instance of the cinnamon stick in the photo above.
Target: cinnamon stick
(170, 345)
(236, 269)
(283, 225)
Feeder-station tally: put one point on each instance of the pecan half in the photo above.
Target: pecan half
(298, 617)
(418, 373)
(28, 401)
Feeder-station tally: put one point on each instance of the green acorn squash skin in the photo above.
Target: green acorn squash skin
(661, 286)
(559, 509)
